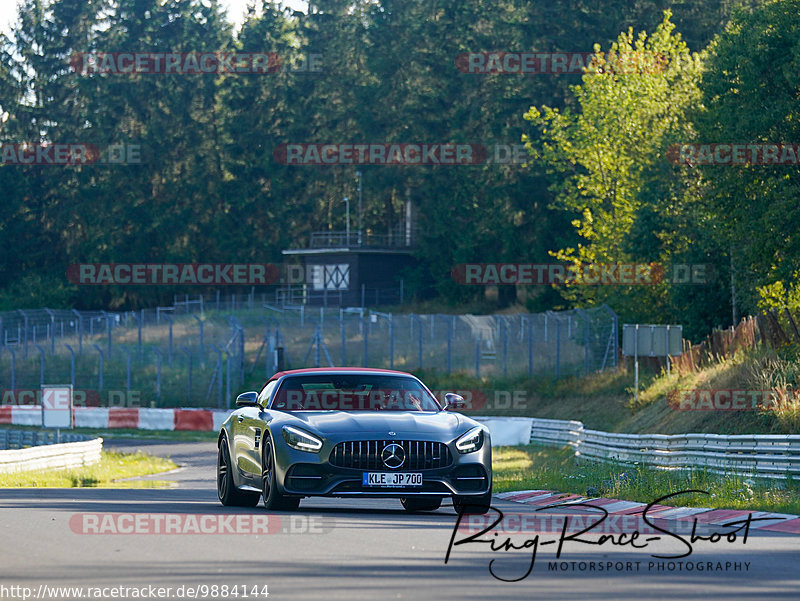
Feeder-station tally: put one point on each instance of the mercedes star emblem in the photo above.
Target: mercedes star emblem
(393, 456)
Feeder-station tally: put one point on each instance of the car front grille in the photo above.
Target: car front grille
(366, 454)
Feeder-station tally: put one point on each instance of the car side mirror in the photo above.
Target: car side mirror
(453, 401)
(247, 399)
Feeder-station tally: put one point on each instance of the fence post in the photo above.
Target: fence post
(241, 355)
(139, 319)
(127, 352)
(24, 333)
(365, 335)
(218, 370)
(449, 345)
(343, 336)
(315, 342)
(505, 347)
(13, 367)
(158, 372)
(100, 367)
(585, 316)
(41, 364)
(79, 327)
(200, 323)
(586, 357)
(108, 331)
(530, 348)
(391, 341)
(228, 378)
(478, 358)
(419, 342)
(270, 358)
(189, 383)
(52, 331)
(71, 366)
(545, 328)
(169, 347)
(558, 348)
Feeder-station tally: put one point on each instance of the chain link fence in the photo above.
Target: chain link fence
(199, 353)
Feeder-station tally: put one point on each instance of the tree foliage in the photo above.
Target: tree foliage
(210, 190)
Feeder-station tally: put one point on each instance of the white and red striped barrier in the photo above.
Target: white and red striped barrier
(118, 417)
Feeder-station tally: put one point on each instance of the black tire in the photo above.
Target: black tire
(273, 499)
(228, 494)
(473, 505)
(421, 503)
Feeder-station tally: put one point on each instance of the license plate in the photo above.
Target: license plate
(391, 479)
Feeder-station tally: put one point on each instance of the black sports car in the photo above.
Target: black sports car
(352, 432)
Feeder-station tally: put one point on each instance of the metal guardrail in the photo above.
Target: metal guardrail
(19, 439)
(52, 456)
(756, 455)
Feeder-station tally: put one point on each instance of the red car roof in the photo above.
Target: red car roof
(311, 370)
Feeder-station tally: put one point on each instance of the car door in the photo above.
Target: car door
(249, 427)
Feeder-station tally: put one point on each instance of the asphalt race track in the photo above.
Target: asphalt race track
(341, 549)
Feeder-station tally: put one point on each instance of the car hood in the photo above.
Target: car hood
(381, 423)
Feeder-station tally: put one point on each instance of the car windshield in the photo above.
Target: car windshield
(348, 392)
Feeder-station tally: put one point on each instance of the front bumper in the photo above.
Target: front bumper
(311, 474)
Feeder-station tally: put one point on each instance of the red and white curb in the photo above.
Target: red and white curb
(780, 522)
(117, 417)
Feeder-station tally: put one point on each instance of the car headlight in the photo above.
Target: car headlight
(471, 441)
(301, 440)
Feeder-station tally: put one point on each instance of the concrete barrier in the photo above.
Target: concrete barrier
(51, 456)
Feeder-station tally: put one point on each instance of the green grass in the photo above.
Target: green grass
(535, 467)
(107, 473)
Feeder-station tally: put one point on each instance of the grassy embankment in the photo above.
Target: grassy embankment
(606, 402)
(110, 472)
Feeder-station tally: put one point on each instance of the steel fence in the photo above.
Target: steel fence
(198, 352)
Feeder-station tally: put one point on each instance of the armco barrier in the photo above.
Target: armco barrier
(18, 439)
(761, 455)
(51, 456)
